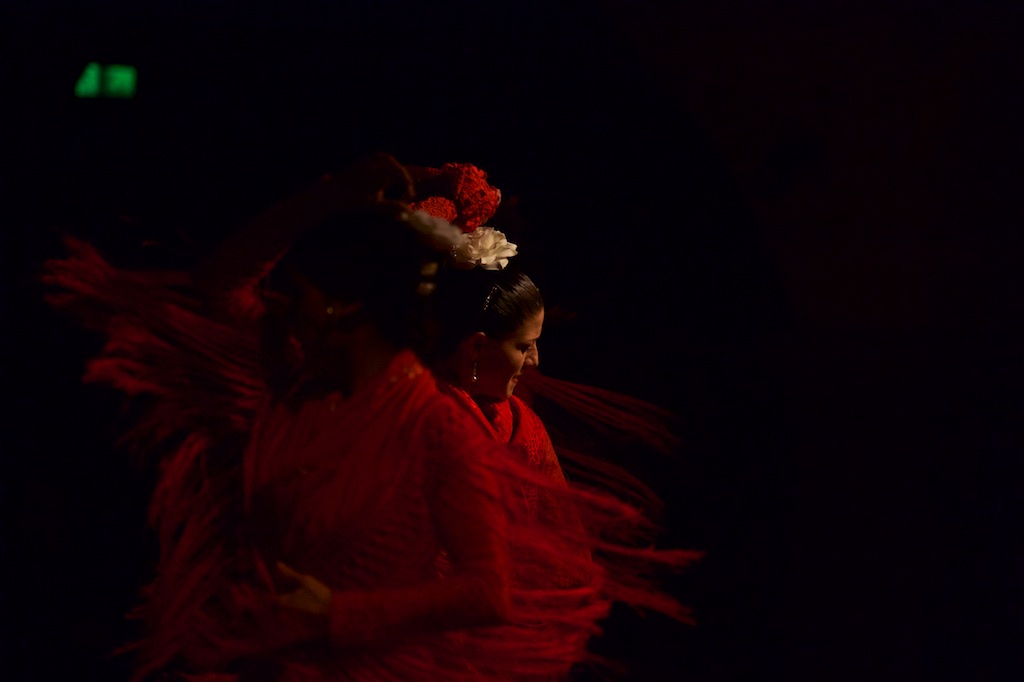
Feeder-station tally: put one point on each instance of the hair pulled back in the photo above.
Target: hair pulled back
(369, 256)
(495, 302)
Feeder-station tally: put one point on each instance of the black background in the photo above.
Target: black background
(795, 224)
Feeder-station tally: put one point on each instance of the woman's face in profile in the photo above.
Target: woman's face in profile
(501, 362)
(318, 324)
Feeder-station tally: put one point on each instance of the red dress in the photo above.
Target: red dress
(365, 493)
(600, 525)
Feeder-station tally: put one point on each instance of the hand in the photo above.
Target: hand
(312, 596)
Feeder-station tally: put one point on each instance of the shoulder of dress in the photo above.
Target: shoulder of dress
(445, 410)
(524, 417)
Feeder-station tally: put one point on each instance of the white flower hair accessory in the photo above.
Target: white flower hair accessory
(484, 247)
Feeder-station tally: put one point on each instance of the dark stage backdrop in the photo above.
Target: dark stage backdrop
(795, 224)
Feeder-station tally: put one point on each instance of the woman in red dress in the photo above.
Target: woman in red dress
(322, 508)
(589, 544)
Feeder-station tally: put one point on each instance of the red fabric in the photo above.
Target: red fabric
(513, 423)
(599, 411)
(365, 494)
(602, 527)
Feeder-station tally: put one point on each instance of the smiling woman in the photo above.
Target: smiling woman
(488, 326)
(587, 541)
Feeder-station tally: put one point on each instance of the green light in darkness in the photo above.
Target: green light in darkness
(88, 84)
(110, 80)
(119, 81)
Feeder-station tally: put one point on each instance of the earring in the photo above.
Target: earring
(474, 371)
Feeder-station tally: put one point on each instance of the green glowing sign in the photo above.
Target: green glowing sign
(106, 80)
(88, 84)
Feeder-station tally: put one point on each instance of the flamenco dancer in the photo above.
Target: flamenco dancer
(488, 318)
(328, 510)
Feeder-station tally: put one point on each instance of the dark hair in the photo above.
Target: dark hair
(495, 302)
(369, 256)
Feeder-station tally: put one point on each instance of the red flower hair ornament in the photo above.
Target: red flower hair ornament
(457, 192)
(458, 200)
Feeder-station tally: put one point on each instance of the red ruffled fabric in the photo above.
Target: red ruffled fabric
(614, 509)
